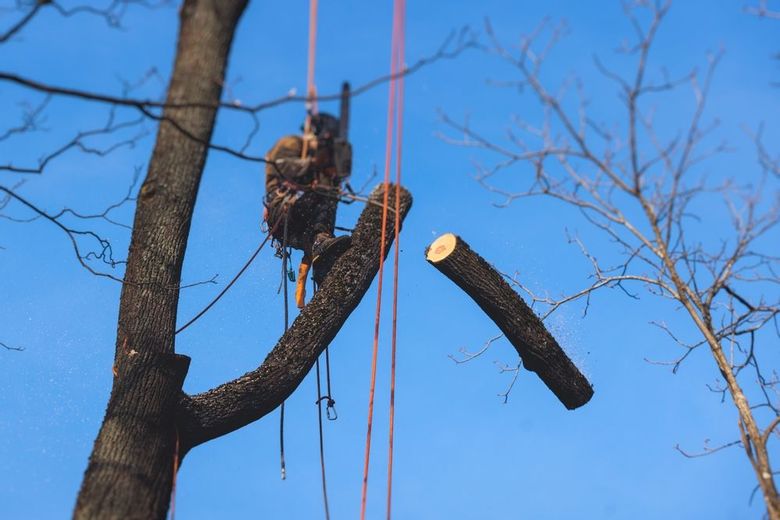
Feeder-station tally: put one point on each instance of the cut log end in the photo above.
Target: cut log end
(441, 248)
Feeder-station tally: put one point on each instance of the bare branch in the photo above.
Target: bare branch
(515, 370)
(24, 20)
(642, 191)
(707, 450)
(6, 347)
(468, 356)
(454, 45)
(762, 10)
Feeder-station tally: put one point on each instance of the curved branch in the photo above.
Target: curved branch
(235, 404)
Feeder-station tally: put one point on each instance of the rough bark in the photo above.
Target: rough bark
(237, 403)
(129, 471)
(524, 330)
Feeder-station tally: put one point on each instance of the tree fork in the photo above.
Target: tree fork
(537, 348)
(230, 406)
(129, 473)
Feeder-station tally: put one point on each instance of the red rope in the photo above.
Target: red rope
(398, 141)
(393, 115)
(311, 88)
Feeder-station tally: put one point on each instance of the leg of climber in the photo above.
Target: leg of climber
(326, 248)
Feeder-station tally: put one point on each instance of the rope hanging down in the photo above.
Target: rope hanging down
(230, 283)
(311, 109)
(311, 88)
(397, 225)
(285, 259)
(394, 118)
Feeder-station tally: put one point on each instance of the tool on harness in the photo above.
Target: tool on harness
(330, 407)
(300, 287)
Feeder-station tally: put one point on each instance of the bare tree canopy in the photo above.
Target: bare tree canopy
(629, 146)
(648, 194)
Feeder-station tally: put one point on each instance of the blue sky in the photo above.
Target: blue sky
(460, 452)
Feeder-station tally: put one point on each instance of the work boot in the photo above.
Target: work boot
(325, 251)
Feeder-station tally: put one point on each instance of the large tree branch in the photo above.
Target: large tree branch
(228, 407)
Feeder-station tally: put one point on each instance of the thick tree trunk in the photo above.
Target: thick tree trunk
(235, 404)
(130, 469)
(535, 345)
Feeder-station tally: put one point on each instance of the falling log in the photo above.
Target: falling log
(537, 348)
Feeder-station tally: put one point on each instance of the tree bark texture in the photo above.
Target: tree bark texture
(537, 348)
(130, 469)
(226, 408)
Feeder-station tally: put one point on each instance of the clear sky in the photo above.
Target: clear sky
(460, 451)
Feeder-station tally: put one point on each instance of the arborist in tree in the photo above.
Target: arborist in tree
(303, 177)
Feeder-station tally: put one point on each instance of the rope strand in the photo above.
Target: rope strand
(398, 142)
(232, 281)
(322, 444)
(391, 115)
(282, 464)
(311, 88)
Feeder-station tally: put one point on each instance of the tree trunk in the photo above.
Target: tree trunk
(535, 345)
(129, 471)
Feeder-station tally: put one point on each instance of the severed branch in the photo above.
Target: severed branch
(535, 345)
(228, 407)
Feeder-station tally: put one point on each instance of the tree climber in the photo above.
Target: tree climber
(303, 177)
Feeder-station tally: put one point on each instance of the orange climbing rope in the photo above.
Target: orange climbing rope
(394, 114)
(311, 88)
(398, 140)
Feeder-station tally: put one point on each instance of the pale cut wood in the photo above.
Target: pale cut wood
(441, 247)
